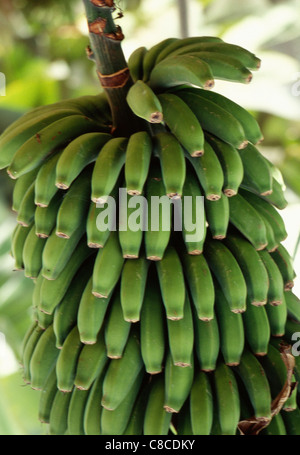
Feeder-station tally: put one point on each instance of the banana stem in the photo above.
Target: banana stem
(112, 70)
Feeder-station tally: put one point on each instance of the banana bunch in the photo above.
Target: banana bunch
(143, 328)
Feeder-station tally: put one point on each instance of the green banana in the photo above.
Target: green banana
(213, 118)
(58, 422)
(135, 63)
(107, 168)
(132, 287)
(249, 123)
(78, 154)
(18, 239)
(26, 211)
(231, 163)
(108, 267)
(144, 103)
(200, 285)
(156, 419)
(184, 424)
(67, 361)
(256, 170)
(217, 215)
(293, 305)
(45, 188)
(184, 69)
(272, 244)
(277, 197)
(121, 374)
(277, 315)
(115, 422)
(131, 224)
(172, 162)
(228, 273)
(227, 399)
(75, 205)
(172, 284)
(158, 230)
(34, 151)
(252, 266)
(182, 123)
(178, 44)
(43, 357)
(136, 420)
(57, 252)
(194, 226)
(138, 156)
(270, 213)
(91, 314)
(152, 326)
(181, 336)
(12, 141)
(47, 396)
(231, 329)
(276, 285)
(32, 254)
(275, 428)
(32, 339)
(20, 188)
(153, 54)
(117, 329)
(52, 291)
(257, 386)
(76, 412)
(292, 422)
(223, 67)
(65, 314)
(93, 410)
(178, 383)
(251, 225)
(257, 329)
(209, 172)
(207, 342)
(285, 264)
(45, 217)
(91, 363)
(201, 403)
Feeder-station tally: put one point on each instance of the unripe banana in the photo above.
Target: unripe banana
(138, 155)
(227, 399)
(135, 63)
(228, 274)
(291, 422)
(91, 314)
(184, 425)
(214, 119)
(108, 266)
(131, 224)
(93, 411)
(293, 305)
(231, 163)
(285, 264)
(153, 54)
(144, 103)
(277, 315)
(153, 326)
(47, 396)
(207, 342)
(172, 162)
(45, 188)
(32, 254)
(156, 419)
(21, 186)
(276, 285)
(231, 329)
(201, 404)
(181, 70)
(107, 168)
(67, 361)
(76, 412)
(122, 374)
(217, 215)
(43, 358)
(45, 217)
(256, 170)
(209, 172)
(58, 422)
(132, 287)
(181, 336)
(183, 123)
(172, 284)
(91, 363)
(34, 334)
(26, 211)
(200, 284)
(19, 236)
(178, 383)
(257, 329)
(136, 420)
(116, 328)
(276, 427)
(252, 266)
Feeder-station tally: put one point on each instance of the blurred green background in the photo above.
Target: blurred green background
(42, 56)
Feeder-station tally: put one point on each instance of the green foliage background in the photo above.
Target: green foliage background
(42, 56)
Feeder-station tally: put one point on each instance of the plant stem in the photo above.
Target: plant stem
(183, 18)
(105, 47)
